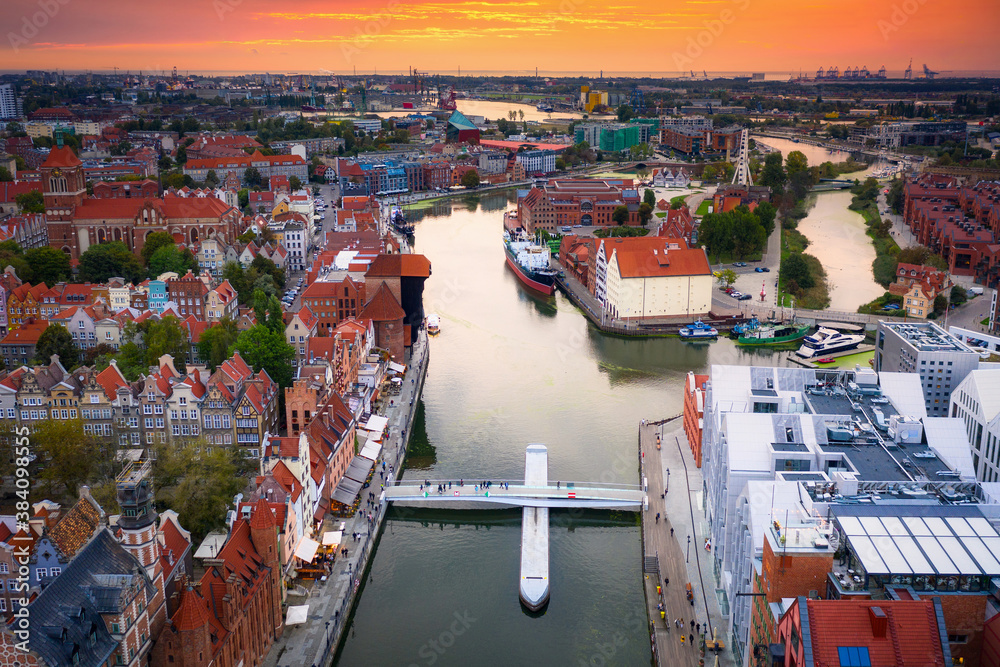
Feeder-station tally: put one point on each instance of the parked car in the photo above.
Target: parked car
(735, 294)
(891, 306)
(745, 297)
(739, 263)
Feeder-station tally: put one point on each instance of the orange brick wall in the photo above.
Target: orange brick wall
(691, 415)
(797, 575)
(964, 614)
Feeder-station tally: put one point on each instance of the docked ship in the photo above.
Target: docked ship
(826, 341)
(772, 334)
(530, 261)
(698, 330)
(433, 324)
(399, 222)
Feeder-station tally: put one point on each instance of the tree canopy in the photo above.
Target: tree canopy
(107, 260)
(47, 265)
(620, 215)
(214, 344)
(56, 339)
(30, 202)
(263, 346)
(154, 242)
(171, 258)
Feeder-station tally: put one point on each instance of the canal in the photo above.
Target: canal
(508, 369)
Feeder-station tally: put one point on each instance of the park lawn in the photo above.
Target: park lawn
(703, 207)
(661, 214)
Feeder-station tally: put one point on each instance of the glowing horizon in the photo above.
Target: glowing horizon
(236, 36)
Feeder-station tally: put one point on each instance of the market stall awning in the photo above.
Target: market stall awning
(399, 368)
(307, 549)
(359, 469)
(376, 423)
(297, 615)
(332, 538)
(371, 450)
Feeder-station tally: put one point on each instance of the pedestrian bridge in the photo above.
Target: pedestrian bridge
(571, 494)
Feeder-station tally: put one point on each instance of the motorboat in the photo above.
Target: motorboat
(826, 341)
(698, 330)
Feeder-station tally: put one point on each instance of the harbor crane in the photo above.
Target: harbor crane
(908, 72)
(928, 73)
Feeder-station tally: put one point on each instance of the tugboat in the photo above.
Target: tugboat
(399, 222)
(529, 261)
(698, 330)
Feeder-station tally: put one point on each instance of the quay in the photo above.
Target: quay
(315, 642)
(663, 326)
(534, 588)
(677, 557)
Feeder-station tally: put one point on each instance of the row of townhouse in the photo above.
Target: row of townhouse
(235, 406)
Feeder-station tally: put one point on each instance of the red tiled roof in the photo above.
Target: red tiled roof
(9, 190)
(174, 544)
(912, 635)
(26, 334)
(398, 265)
(649, 257)
(192, 612)
(62, 156)
(321, 347)
(383, 307)
(111, 380)
(261, 517)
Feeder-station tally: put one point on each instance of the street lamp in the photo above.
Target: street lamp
(688, 560)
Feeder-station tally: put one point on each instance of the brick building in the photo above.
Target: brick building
(694, 412)
(570, 202)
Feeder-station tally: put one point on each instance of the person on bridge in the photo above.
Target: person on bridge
(666, 581)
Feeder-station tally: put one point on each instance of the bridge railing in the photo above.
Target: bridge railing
(564, 485)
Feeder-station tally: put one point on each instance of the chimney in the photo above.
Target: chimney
(879, 621)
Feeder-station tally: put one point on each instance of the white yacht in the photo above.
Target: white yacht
(825, 341)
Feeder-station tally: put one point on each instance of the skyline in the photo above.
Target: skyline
(477, 35)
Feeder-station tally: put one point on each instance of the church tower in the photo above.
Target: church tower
(138, 531)
(64, 187)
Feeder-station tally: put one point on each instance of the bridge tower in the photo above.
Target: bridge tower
(742, 175)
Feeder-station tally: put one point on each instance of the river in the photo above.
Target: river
(837, 238)
(508, 369)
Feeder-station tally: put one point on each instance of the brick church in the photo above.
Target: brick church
(77, 221)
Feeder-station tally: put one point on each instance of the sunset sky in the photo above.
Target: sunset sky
(553, 35)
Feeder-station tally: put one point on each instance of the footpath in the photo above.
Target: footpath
(674, 551)
(314, 643)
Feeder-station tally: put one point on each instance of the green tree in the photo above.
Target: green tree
(940, 304)
(182, 155)
(56, 339)
(766, 212)
(560, 164)
(727, 277)
(921, 256)
(294, 183)
(5, 174)
(171, 258)
(12, 255)
(265, 349)
(107, 260)
(795, 163)
(716, 234)
(244, 197)
(645, 213)
(154, 242)
(649, 197)
(264, 266)
(198, 481)
(624, 113)
(214, 344)
(30, 202)
(470, 179)
(48, 265)
(795, 268)
(773, 175)
(896, 198)
(620, 215)
(101, 353)
(252, 177)
(67, 455)
(211, 178)
(166, 336)
(959, 295)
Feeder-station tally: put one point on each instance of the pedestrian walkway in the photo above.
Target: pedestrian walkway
(681, 557)
(330, 602)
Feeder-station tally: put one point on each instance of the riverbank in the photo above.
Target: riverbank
(331, 602)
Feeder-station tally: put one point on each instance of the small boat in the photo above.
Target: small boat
(698, 330)
(433, 324)
(773, 334)
(825, 360)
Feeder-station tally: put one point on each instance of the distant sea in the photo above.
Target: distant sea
(592, 74)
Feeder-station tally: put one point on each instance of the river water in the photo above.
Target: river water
(837, 238)
(508, 369)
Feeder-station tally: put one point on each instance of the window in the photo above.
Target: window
(56, 571)
(3, 570)
(854, 656)
(41, 572)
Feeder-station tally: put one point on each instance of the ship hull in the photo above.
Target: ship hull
(774, 340)
(525, 277)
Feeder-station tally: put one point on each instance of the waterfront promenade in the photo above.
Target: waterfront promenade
(314, 643)
(678, 562)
